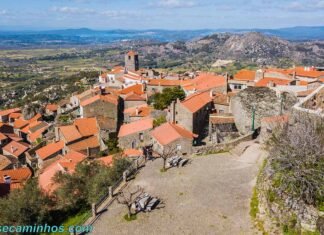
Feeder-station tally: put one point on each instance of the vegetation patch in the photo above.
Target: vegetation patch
(131, 218)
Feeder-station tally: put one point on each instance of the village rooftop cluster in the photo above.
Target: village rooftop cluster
(119, 107)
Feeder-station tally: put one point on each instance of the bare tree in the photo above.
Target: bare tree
(127, 198)
(297, 158)
(168, 152)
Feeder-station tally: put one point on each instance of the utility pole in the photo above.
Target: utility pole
(253, 117)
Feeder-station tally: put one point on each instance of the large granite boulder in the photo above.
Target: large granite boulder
(265, 102)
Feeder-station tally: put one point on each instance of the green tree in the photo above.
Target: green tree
(25, 206)
(163, 100)
(159, 121)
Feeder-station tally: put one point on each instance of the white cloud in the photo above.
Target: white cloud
(175, 4)
(3, 12)
(73, 10)
(314, 5)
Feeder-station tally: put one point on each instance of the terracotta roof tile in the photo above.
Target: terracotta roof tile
(70, 133)
(164, 82)
(134, 127)
(15, 148)
(134, 97)
(108, 160)
(84, 144)
(87, 126)
(142, 111)
(276, 81)
(19, 175)
(4, 162)
(106, 98)
(205, 81)
(9, 111)
(51, 107)
(50, 149)
(245, 75)
(137, 89)
(196, 101)
(221, 119)
(168, 132)
(132, 153)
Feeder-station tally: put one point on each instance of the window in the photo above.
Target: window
(129, 57)
(141, 137)
(178, 147)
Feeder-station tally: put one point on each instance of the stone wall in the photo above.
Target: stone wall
(214, 148)
(125, 142)
(280, 208)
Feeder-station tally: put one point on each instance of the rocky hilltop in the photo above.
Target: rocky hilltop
(249, 47)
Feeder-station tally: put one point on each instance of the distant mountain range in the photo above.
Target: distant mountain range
(85, 36)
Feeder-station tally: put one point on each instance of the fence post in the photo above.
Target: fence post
(110, 190)
(136, 163)
(125, 176)
(94, 209)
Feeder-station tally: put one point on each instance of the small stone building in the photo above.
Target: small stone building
(136, 134)
(173, 136)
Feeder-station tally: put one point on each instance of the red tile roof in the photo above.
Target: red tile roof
(70, 133)
(19, 175)
(82, 145)
(205, 81)
(137, 89)
(106, 98)
(4, 162)
(276, 81)
(168, 132)
(245, 75)
(196, 101)
(132, 53)
(134, 97)
(222, 119)
(50, 149)
(52, 107)
(66, 163)
(9, 111)
(134, 127)
(132, 153)
(108, 160)
(142, 111)
(305, 93)
(164, 82)
(87, 126)
(15, 148)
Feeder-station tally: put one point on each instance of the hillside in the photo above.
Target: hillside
(249, 48)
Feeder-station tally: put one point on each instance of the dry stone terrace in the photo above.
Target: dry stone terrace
(209, 196)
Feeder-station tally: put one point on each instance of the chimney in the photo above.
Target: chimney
(136, 111)
(12, 148)
(294, 75)
(7, 179)
(211, 93)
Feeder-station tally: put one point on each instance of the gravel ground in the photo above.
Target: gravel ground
(209, 196)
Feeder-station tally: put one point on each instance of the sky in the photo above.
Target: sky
(159, 14)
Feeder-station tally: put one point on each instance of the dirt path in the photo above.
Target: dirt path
(209, 196)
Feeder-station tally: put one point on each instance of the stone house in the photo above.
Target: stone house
(173, 136)
(106, 107)
(192, 113)
(4, 114)
(205, 82)
(83, 136)
(136, 134)
(48, 152)
(158, 85)
(136, 113)
(16, 150)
